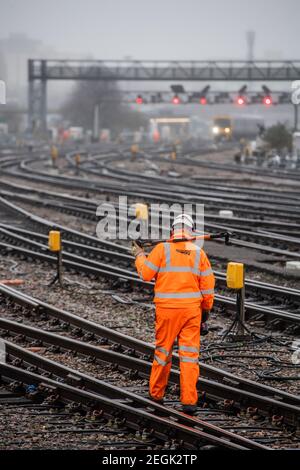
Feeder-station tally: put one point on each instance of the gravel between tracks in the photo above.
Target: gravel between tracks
(101, 302)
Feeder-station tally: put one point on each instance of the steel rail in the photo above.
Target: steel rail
(81, 264)
(132, 417)
(270, 288)
(214, 390)
(20, 234)
(129, 276)
(154, 194)
(227, 192)
(263, 248)
(86, 208)
(243, 233)
(135, 345)
(133, 400)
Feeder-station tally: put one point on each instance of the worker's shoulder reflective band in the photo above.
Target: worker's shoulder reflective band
(197, 257)
(208, 291)
(167, 248)
(188, 349)
(180, 269)
(151, 265)
(178, 295)
(208, 272)
(195, 360)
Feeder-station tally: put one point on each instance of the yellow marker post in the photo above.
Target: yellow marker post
(141, 211)
(54, 154)
(235, 278)
(54, 244)
(54, 240)
(235, 275)
(134, 150)
(77, 162)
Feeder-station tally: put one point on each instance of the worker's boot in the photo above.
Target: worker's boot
(160, 401)
(189, 409)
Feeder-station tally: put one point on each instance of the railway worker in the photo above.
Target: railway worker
(184, 292)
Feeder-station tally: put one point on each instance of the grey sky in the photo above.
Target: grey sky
(157, 29)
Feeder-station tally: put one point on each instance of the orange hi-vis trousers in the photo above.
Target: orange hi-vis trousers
(183, 324)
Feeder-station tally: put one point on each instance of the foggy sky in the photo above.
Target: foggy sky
(157, 29)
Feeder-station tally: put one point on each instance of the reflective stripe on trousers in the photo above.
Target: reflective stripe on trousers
(183, 324)
(189, 349)
(168, 355)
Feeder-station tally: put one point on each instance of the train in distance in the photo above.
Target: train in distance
(233, 128)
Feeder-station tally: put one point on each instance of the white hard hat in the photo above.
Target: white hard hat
(183, 219)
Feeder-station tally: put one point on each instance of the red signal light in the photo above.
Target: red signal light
(203, 100)
(267, 100)
(139, 99)
(176, 99)
(240, 100)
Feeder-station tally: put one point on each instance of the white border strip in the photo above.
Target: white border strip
(2, 92)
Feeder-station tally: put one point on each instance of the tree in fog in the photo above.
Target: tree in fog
(80, 105)
(278, 137)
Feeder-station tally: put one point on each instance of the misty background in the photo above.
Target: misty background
(138, 29)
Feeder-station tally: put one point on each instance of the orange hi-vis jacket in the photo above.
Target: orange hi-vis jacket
(182, 273)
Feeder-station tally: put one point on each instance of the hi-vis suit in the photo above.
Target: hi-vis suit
(184, 286)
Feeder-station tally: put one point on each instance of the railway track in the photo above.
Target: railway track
(142, 420)
(233, 194)
(233, 412)
(86, 210)
(107, 166)
(89, 255)
(110, 162)
(43, 312)
(31, 421)
(137, 366)
(190, 158)
(266, 172)
(265, 239)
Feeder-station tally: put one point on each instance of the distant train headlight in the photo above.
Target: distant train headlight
(227, 130)
(215, 130)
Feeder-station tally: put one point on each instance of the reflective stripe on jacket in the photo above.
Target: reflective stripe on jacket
(182, 273)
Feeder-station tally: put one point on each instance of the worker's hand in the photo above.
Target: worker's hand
(205, 316)
(204, 330)
(136, 249)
